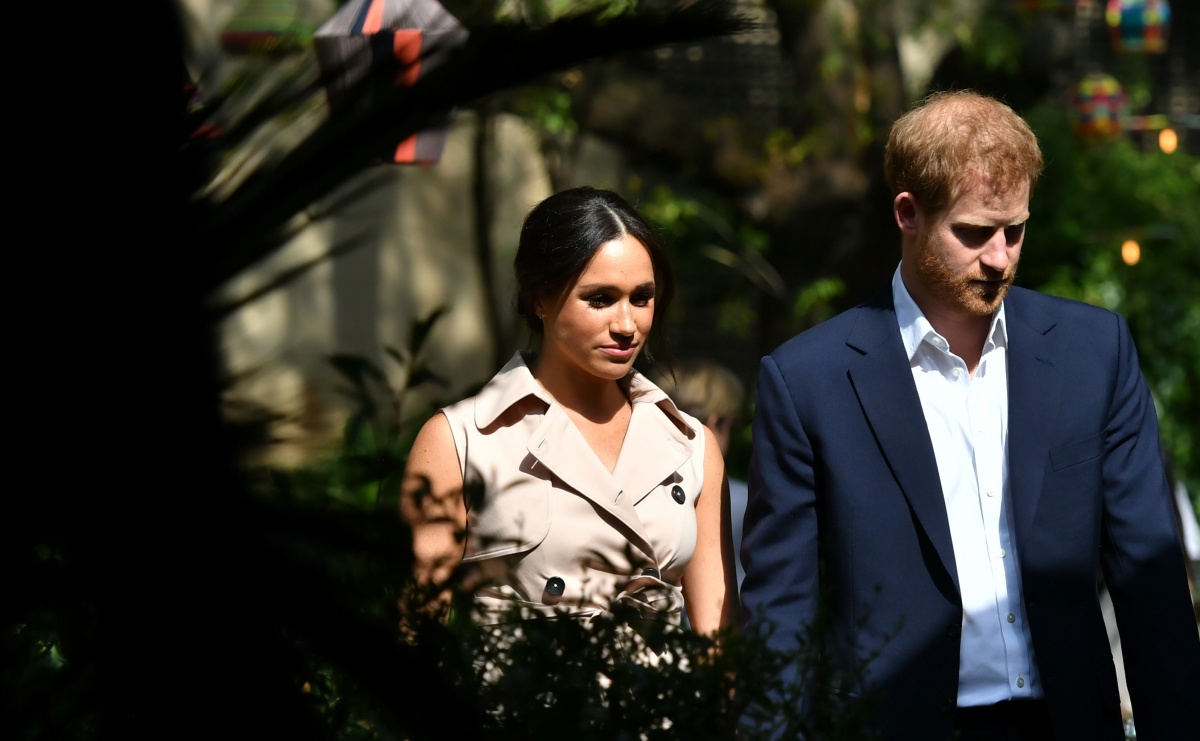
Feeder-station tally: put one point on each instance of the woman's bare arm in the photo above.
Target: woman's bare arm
(709, 583)
(431, 503)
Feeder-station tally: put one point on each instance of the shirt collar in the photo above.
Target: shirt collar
(915, 328)
(515, 382)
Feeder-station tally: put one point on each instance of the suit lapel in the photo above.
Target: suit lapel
(559, 446)
(882, 380)
(1034, 386)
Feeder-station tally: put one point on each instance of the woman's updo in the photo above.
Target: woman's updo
(563, 232)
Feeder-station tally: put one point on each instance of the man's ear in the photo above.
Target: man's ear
(906, 212)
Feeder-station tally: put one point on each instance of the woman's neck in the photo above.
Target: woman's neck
(596, 399)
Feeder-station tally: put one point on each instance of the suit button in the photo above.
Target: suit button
(946, 706)
(555, 586)
(953, 631)
(677, 494)
(651, 572)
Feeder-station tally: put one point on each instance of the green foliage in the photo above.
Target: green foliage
(1094, 196)
(996, 44)
(354, 492)
(783, 144)
(544, 11)
(814, 301)
(550, 679)
(547, 107)
(38, 667)
(703, 231)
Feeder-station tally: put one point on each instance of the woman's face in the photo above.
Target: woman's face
(603, 319)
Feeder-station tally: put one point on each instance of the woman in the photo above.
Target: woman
(592, 488)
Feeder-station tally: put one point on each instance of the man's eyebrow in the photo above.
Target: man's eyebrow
(987, 224)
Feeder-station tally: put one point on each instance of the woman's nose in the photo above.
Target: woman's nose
(622, 322)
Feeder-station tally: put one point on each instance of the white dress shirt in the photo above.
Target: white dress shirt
(967, 419)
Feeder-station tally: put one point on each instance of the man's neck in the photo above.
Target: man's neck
(965, 334)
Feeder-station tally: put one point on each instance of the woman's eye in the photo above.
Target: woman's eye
(642, 299)
(598, 301)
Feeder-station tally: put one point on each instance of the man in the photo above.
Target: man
(948, 464)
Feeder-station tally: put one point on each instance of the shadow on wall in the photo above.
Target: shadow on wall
(403, 244)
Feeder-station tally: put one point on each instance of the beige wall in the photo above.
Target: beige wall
(412, 235)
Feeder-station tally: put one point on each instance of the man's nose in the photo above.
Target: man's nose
(995, 252)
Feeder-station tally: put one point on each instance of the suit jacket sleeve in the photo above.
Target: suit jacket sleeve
(1143, 564)
(779, 541)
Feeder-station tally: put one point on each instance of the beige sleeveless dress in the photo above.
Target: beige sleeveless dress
(550, 529)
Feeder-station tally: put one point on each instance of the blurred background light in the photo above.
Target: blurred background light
(1168, 140)
(1131, 252)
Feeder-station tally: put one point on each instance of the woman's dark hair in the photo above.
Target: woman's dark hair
(563, 232)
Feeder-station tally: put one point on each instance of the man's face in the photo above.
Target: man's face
(965, 257)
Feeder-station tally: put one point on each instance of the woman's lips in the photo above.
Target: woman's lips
(619, 352)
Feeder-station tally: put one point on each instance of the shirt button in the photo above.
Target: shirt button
(555, 586)
(991, 492)
(958, 372)
(1012, 618)
(1003, 553)
(1020, 681)
(677, 494)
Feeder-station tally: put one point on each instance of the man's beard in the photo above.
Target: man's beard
(964, 293)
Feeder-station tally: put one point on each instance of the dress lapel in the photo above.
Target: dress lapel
(1034, 391)
(882, 380)
(653, 450)
(559, 446)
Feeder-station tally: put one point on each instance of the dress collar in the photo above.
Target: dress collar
(515, 382)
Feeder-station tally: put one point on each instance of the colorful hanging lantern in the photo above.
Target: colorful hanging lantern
(1100, 106)
(414, 36)
(1139, 26)
(265, 27)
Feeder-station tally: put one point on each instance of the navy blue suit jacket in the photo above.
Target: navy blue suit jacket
(843, 473)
